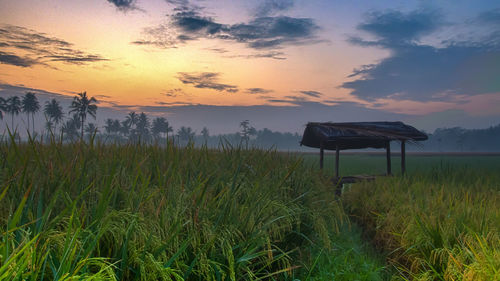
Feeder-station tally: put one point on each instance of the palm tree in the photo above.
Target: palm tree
(81, 106)
(186, 134)
(91, 129)
(160, 125)
(49, 126)
(109, 126)
(13, 107)
(54, 111)
(116, 127)
(125, 127)
(71, 127)
(31, 106)
(142, 126)
(205, 134)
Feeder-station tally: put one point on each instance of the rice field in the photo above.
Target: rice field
(439, 222)
(94, 211)
(89, 211)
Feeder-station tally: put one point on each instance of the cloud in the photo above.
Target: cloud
(268, 55)
(9, 58)
(124, 5)
(313, 94)
(172, 93)
(205, 80)
(420, 72)
(217, 50)
(260, 33)
(492, 16)
(14, 90)
(25, 48)
(271, 7)
(258, 91)
(394, 27)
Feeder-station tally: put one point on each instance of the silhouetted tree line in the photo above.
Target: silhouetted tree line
(72, 125)
(460, 139)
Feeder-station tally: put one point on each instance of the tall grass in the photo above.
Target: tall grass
(439, 223)
(141, 212)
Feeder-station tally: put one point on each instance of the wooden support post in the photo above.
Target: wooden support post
(337, 156)
(388, 156)
(403, 157)
(321, 154)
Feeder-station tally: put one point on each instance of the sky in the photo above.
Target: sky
(277, 63)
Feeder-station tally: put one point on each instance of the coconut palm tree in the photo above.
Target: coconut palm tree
(54, 112)
(160, 125)
(116, 127)
(49, 126)
(91, 129)
(71, 127)
(81, 106)
(205, 134)
(142, 126)
(125, 128)
(30, 105)
(109, 126)
(13, 107)
(185, 134)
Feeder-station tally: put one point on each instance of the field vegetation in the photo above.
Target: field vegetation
(90, 211)
(439, 222)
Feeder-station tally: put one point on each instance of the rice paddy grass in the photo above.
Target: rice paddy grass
(93, 211)
(438, 222)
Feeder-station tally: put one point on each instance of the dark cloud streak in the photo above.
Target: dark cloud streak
(9, 58)
(205, 80)
(260, 33)
(259, 91)
(26, 48)
(313, 94)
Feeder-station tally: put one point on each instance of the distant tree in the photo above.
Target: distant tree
(167, 129)
(30, 106)
(116, 127)
(81, 106)
(109, 126)
(49, 126)
(160, 126)
(132, 118)
(205, 134)
(91, 129)
(125, 128)
(246, 131)
(142, 126)
(53, 110)
(71, 127)
(13, 107)
(185, 134)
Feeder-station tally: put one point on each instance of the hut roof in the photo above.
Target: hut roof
(356, 135)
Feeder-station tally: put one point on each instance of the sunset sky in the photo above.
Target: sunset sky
(278, 63)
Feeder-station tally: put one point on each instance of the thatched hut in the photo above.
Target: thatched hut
(359, 135)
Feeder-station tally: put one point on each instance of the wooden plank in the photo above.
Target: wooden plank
(403, 157)
(388, 157)
(321, 155)
(337, 156)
